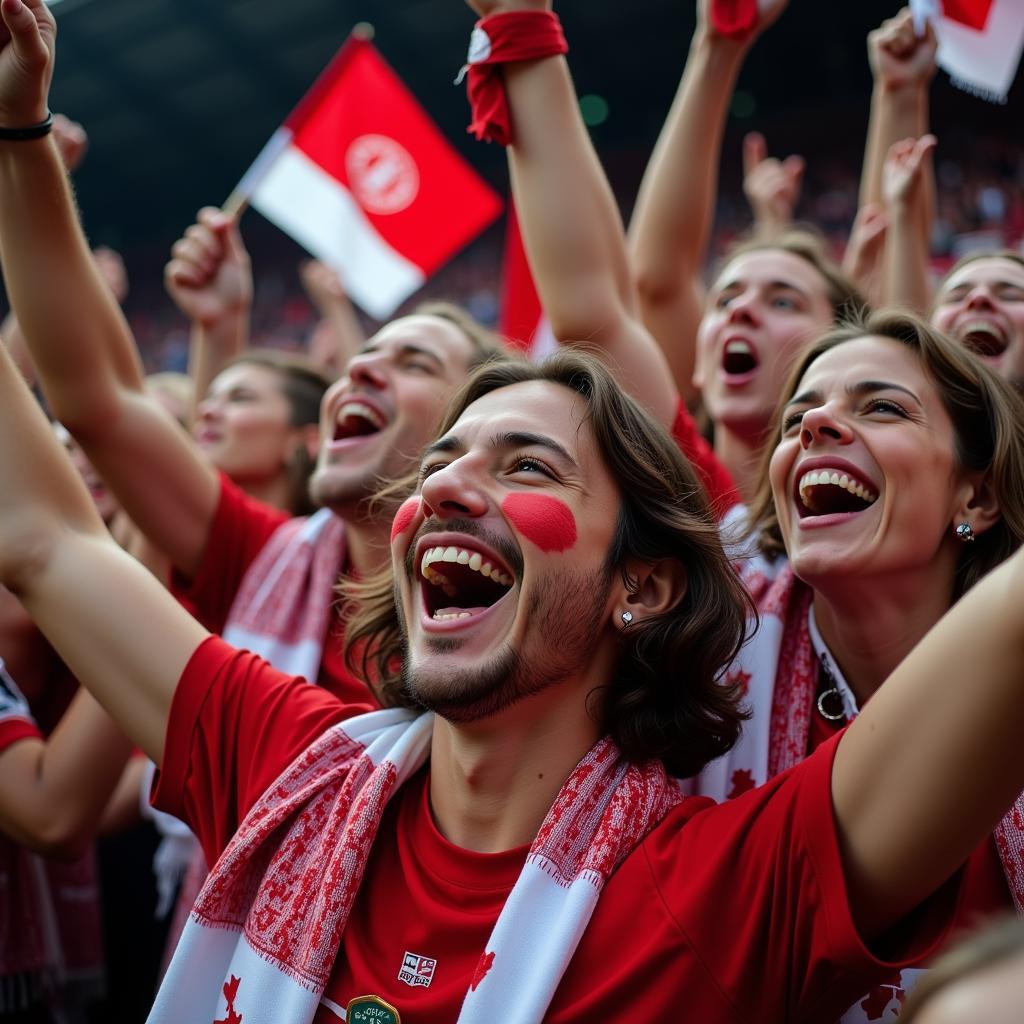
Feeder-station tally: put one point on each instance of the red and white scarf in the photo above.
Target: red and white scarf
(283, 606)
(281, 612)
(778, 669)
(266, 930)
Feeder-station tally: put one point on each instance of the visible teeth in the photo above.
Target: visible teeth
(460, 556)
(738, 347)
(444, 616)
(364, 411)
(815, 478)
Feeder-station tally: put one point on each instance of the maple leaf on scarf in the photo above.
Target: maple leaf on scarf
(230, 991)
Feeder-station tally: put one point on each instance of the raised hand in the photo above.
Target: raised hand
(323, 285)
(865, 247)
(713, 15)
(71, 141)
(772, 186)
(28, 35)
(898, 55)
(209, 275)
(902, 171)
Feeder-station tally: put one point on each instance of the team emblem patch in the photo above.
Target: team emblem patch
(417, 970)
(382, 174)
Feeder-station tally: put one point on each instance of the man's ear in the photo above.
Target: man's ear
(650, 588)
(977, 505)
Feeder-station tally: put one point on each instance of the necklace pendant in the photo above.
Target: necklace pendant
(371, 1010)
(830, 705)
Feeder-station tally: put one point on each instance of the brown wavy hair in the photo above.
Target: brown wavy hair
(667, 699)
(988, 424)
(807, 244)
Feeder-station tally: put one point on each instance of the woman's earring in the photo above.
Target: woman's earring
(627, 618)
(965, 533)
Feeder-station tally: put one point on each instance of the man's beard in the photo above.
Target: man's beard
(564, 619)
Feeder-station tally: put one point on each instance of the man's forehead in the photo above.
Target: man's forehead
(536, 404)
(432, 334)
(986, 270)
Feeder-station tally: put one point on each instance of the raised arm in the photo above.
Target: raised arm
(675, 208)
(571, 227)
(117, 629)
(53, 792)
(772, 186)
(902, 65)
(82, 348)
(326, 291)
(937, 756)
(209, 277)
(905, 281)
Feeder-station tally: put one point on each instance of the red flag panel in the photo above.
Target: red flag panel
(362, 126)
(972, 13)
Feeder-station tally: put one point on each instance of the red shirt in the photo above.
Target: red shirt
(14, 729)
(241, 527)
(717, 480)
(735, 912)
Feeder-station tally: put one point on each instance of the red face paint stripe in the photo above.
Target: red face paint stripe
(546, 521)
(404, 516)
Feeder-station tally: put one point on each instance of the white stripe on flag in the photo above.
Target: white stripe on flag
(983, 63)
(319, 212)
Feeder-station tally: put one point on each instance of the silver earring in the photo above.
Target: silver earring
(965, 533)
(627, 618)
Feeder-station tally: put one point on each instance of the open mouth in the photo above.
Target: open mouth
(357, 419)
(738, 358)
(983, 338)
(458, 582)
(823, 492)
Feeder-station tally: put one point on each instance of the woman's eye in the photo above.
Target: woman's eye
(886, 405)
(783, 302)
(791, 420)
(524, 464)
(426, 471)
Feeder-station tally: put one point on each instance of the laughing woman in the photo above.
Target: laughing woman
(895, 482)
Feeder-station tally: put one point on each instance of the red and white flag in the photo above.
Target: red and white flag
(521, 319)
(980, 42)
(361, 176)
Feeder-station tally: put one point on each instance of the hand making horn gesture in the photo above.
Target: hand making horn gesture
(28, 35)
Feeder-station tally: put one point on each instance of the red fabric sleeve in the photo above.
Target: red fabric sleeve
(241, 526)
(717, 480)
(786, 931)
(235, 724)
(14, 729)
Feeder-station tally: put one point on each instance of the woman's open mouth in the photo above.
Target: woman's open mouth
(828, 491)
(739, 360)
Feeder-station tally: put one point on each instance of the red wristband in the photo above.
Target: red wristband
(734, 18)
(500, 39)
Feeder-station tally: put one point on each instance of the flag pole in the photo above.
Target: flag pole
(238, 201)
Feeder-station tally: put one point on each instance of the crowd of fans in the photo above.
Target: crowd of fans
(426, 673)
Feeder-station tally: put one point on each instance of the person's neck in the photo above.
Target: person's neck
(492, 783)
(740, 454)
(274, 491)
(871, 625)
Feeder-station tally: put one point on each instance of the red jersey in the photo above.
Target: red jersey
(241, 527)
(736, 911)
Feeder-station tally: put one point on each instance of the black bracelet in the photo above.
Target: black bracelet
(33, 131)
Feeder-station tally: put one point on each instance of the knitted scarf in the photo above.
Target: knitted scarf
(266, 930)
(281, 613)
